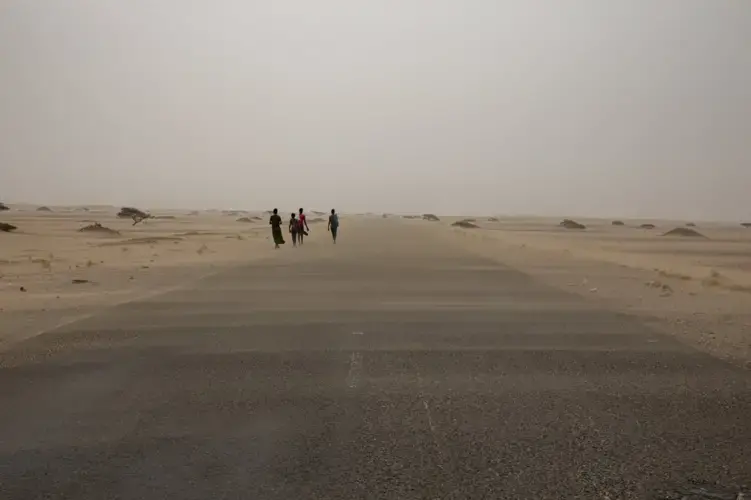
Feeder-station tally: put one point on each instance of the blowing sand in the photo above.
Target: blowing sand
(61, 265)
(697, 288)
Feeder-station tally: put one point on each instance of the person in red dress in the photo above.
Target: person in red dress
(303, 221)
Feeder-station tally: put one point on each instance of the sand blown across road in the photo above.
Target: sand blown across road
(52, 272)
(697, 288)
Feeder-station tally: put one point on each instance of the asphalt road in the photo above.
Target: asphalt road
(389, 366)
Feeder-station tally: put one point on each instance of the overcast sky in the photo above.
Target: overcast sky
(575, 107)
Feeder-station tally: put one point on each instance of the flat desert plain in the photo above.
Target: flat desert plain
(696, 287)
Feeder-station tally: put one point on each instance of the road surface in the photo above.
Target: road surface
(392, 365)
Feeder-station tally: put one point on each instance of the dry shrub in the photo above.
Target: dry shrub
(572, 224)
(98, 228)
(466, 224)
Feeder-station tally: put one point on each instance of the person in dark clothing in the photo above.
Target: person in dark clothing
(276, 229)
(294, 229)
(302, 221)
(333, 224)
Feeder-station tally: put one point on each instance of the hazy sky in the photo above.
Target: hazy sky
(630, 108)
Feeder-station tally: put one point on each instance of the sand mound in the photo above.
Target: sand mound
(315, 212)
(685, 232)
(572, 224)
(3, 206)
(493, 219)
(98, 228)
(44, 209)
(7, 227)
(690, 224)
(193, 212)
(244, 219)
(411, 216)
(317, 219)
(618, 223)
(465, 224)
(164, 217)
(647, 226)
(430, 217)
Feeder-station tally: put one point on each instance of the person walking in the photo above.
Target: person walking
(333, 226)
(294, 229)
(302, 221)
(276, 228)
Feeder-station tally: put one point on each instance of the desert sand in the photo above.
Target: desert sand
(52, 273)
(696, 288)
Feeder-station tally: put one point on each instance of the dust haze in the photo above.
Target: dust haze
(630, 109)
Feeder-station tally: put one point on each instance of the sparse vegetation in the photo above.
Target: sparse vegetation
(746, 224)
(98, 228)
(648, 226)
(133, 213)
(430, 217)
(44, 209)
(493, 219)
(572, 224)
(7, 227)
(618, 223)
(466, 224)
(3, 206)
(244, 219)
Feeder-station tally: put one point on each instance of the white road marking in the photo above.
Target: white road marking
(431, 424)
(355, 370)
